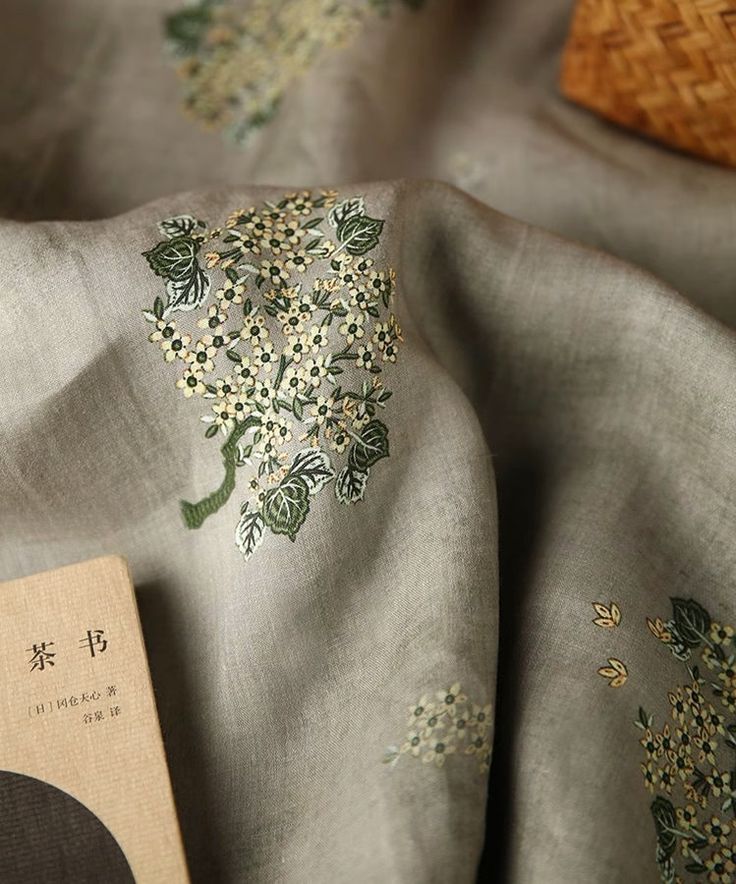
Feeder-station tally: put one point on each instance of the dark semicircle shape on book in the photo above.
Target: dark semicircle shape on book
(48, 835)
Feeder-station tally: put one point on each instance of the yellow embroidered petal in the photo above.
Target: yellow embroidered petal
(658, 630)
(616, 671)
(608, 617)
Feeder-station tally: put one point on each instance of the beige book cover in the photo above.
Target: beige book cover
(84, 787)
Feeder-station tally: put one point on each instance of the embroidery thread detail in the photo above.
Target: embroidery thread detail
(447, 725)
(689, 763)
(296, 323)
(616, 673)
(608, 617)
(238, 60)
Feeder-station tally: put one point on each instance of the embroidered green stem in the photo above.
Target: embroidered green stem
(194, 514)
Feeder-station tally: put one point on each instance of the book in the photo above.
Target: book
(85, 793)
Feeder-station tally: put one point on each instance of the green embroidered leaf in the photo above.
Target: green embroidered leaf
(296, 407)
(692, 621)
(249, 533)
(186, 28)
(189, 293)
(172, 258)
(176, 261)
(344, 210)
(313, 465)
(179, 225)
(665, 820)
(158, 308)
(285, 507)
(210, 431)
(350, 485)
(373, 445)
(359, 233)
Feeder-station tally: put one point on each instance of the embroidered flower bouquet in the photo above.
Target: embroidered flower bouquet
(291, 331)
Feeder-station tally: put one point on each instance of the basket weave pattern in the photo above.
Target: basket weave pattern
(666, 68)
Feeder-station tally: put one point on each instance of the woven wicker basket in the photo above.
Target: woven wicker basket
(666, 68)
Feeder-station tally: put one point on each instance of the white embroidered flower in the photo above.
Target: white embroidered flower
(451, 698)
(276, 242)
(338, 438)
(360, 297)
(439, 748)
(172, 342)
(294, 381)
(223, 416)
(413, 743)
(433, 723)
(283, 431)
(297, 347)
(365, 357)
(352, 327)
(240, 402)
(322, 409)
(306, 309)
(364, 265)
(299, 261)
(274, 272)
(380, 283)
(258, 225)
(420, 711)
(317, 368)
(390, 352)
(230, 293)
(247, 242)
(264, 356)
(190, 383)
(317, 338)
(382, 335)
(480, 747)
(223, 388)
(263, 394)
(246, 372)
(291, 321)
(203, 354)
(347, 277)
(290, 231)
(254, 329)
(481, 718)
(299, 203)
(164, 331)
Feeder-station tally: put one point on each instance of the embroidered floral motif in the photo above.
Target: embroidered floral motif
(608, 617)
(616, 672)
(239, 59)
(446, 725)
(689, 763)
(294, 312)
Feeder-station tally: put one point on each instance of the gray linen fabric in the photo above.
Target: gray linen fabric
(600, 403)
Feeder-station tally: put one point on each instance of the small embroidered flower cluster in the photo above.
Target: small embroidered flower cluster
(299, 318)
(239, 59)
(444, 726)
